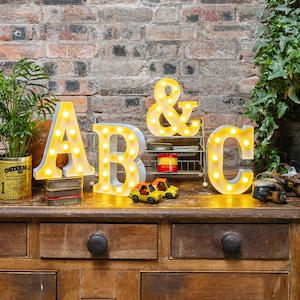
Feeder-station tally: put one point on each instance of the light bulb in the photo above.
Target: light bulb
(218, 140)
(245, 179)
(76, 150)
(229, 188)
(233, 131)
(58, 133)
(52, 152)
(246, 143)
(72, 131)
(216, 175)
(215, 157)
(131, 184)
(65, 147)
(48, 171)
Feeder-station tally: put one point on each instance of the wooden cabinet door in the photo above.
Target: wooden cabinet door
(214, 286)
(27, 285)
(110, 284)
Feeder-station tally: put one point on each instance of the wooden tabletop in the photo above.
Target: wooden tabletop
(194, 204)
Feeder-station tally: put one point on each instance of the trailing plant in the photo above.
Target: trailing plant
(24, 101)
(277, 53)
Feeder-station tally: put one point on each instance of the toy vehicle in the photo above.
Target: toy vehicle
(162, 184)
(145, 192)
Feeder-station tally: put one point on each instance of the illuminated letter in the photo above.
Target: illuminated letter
(64, 137)
(110, 157)
(215, 144)
(166, 94)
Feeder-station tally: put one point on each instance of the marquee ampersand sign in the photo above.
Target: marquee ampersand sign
(166, 94)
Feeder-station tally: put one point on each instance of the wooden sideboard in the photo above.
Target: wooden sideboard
(201, 245)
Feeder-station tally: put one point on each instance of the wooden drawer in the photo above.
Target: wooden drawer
(214, 286)
(225, 241)
(13, 239)
(123, 241)
(28, 285)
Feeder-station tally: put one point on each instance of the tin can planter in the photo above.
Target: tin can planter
(15, 179)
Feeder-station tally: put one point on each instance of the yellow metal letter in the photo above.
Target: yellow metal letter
(110, 157)
(215, 145)
(64, 137)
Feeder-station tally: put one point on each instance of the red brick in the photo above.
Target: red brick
(169, 32)
(214, 121)
(79, 102)
(70, 14)
(7, 32)
(212, 13)
(70, 32)
(14, 51)
(73, 50)
(84, 88)
(247, 84)
(209, 49)
(10, 14)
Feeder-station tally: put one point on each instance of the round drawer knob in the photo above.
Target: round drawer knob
(230, 242)
(97, 243)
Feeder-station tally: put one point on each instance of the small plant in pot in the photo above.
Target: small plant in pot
(276, 95)
(25, 101)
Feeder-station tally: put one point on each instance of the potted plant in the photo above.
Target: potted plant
(25, 101)
(276, 94)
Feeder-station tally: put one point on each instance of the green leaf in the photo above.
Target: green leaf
(283, 8)
(293, 96)
(282, 108)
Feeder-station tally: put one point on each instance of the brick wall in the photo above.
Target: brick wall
(107, 55)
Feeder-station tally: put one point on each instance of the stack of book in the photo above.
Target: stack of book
(64, 191)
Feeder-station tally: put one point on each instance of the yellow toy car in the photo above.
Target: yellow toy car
(169, 191)
(145, 192)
